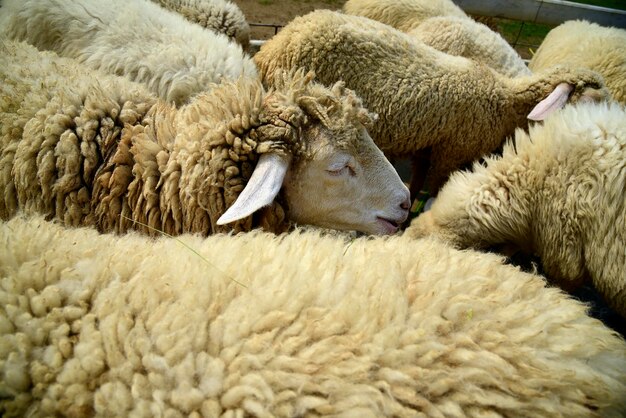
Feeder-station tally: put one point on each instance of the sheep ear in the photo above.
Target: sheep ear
(554, 101)
(263, 186)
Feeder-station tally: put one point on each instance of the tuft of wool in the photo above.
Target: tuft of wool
(221, 16)
(314, 325)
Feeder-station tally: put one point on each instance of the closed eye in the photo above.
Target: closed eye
(342, 171)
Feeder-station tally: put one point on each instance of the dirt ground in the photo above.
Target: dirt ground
(278, 12)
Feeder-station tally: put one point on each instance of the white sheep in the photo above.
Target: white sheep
(93, 149)
(464, 37)
(578, 42)
(426, 99)
(138, 39)
(221, 16)
(403, 15)
(300, 324)
(558, 191)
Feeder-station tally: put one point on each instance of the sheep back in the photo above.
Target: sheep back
(96, 324)
(466, 38)
(138, 39)
(403, 15)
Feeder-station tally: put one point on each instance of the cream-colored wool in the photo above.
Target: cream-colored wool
(403, 15)
(135, 38)
(93, 149)
(221, 16)
(578, 42)
(444, 26)
(559, 192)
(104, 325)
(426, 99)
(464, 37)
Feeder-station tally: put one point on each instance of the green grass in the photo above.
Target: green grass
(525, 32)
(611, 4)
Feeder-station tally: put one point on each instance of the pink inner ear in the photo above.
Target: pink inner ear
(554, 101)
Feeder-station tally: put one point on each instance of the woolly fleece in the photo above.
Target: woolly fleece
(403, 15)
(221, 16)
(558, 191)
(135, 38)
(464, 37)
(104, 325)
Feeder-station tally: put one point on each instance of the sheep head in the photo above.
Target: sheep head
(314, 145)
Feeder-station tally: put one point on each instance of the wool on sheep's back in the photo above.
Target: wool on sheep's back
(291, 325)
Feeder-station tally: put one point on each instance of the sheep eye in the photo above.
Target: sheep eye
(346, 169)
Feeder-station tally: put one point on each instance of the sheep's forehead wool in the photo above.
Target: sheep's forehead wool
(334, 113)
(124, 325)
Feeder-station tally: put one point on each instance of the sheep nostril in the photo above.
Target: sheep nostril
(406, 204)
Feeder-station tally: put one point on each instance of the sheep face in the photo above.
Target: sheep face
(314, 146)
(345, 183)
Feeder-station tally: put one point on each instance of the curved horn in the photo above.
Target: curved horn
(554, 101)
(263, 186)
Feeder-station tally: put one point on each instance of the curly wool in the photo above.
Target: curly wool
(458, 108)
(138, 39)
(464, 37)
(100, 150)
(558, 192)
(403, 15)
(103, 325)
(578, 42)
(221, 16)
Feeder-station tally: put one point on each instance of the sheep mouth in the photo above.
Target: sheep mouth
(390, 226)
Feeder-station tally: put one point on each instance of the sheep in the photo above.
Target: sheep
(93, 149)
(426, 99)
(578, 42)
(557, 192)
(221, 16)
(467, 38)
(173, 57)
(403, 15)
(313, 324)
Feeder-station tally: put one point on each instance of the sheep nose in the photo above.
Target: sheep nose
(406, 201)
